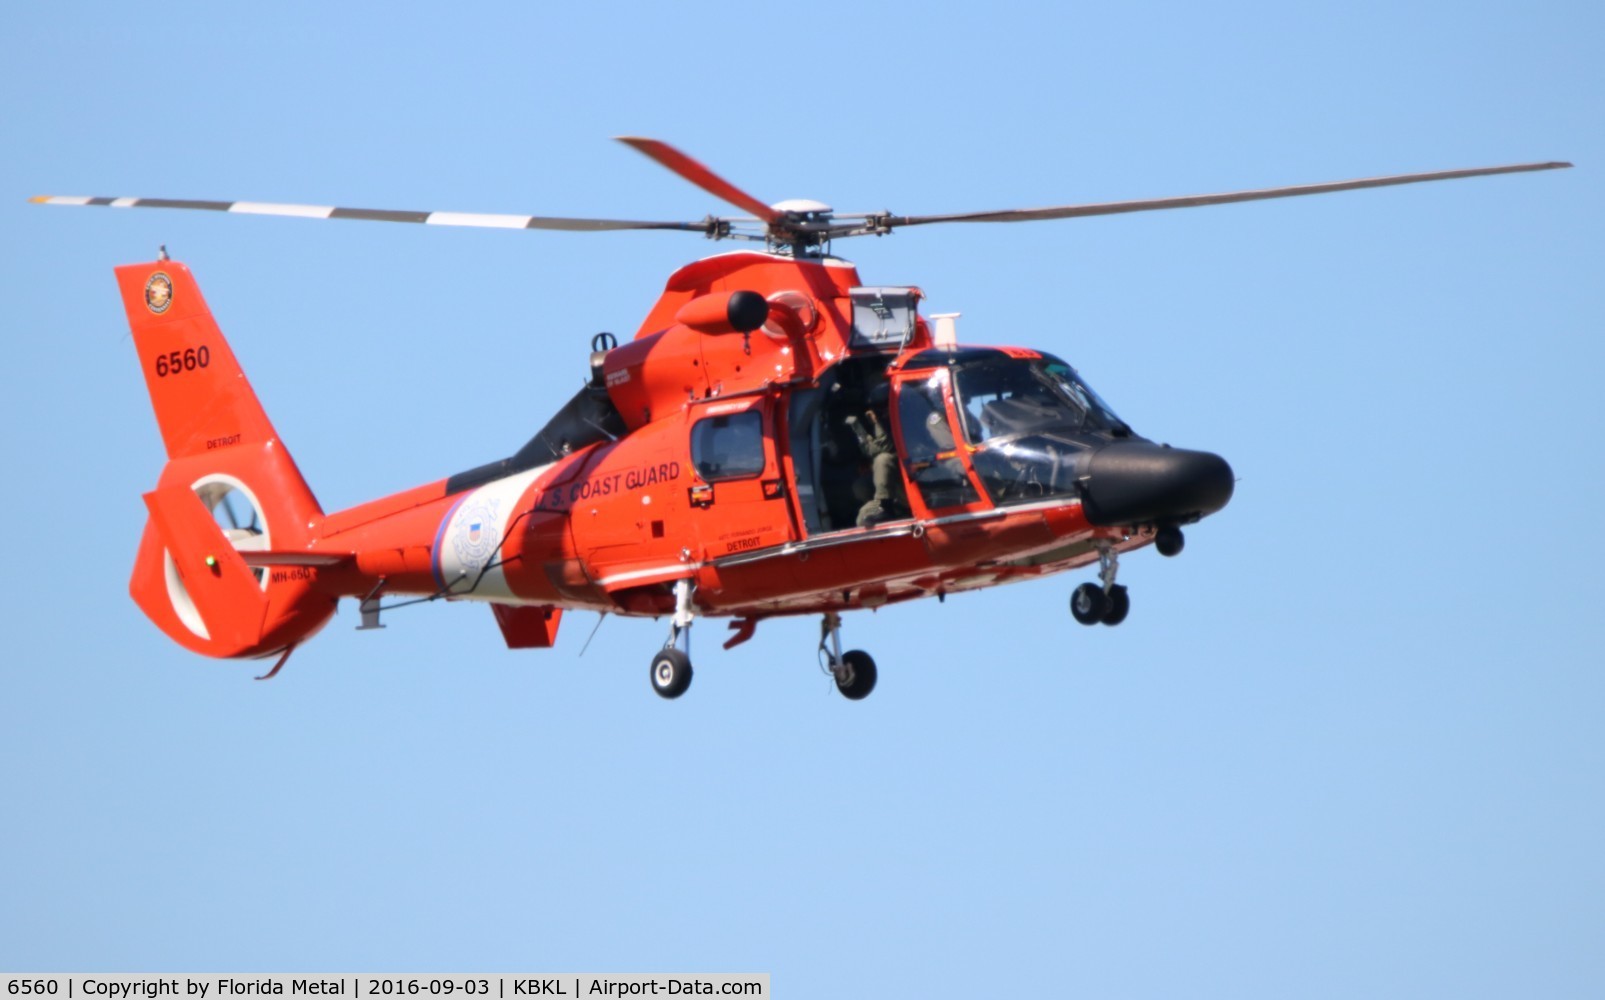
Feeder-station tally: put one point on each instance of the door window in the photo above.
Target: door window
(929, 450)
(729, 446)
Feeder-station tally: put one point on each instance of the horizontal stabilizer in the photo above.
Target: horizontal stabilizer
(283, 557)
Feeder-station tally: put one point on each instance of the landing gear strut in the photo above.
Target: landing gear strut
(854, 670)
(671, 668)
(1105, 601)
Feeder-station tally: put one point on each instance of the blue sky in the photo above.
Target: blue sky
(1347, 744)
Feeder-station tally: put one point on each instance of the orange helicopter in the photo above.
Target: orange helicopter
(777, 439)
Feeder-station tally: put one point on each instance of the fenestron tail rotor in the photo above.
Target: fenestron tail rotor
(797, 226)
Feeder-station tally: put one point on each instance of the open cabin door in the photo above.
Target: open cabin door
(841, 452)
(866, 449)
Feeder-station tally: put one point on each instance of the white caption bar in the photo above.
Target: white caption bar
(491, 986)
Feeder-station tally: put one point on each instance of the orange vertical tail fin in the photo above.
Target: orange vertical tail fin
(229, 485)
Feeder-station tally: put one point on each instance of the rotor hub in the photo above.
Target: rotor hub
(804, 207)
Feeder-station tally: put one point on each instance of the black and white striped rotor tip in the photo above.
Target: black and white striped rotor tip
(477, 220)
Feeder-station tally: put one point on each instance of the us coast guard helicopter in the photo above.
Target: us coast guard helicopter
(778, 438)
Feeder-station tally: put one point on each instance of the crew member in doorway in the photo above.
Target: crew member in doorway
(875, 441)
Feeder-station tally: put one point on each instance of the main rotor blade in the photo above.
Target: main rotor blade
(473, 219)
(700, 175)
(1191, 201)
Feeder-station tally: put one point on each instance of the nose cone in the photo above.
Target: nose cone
(1138, 482)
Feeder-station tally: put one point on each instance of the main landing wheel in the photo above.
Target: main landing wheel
(671, 673)
(1089, 604)
(855, 677)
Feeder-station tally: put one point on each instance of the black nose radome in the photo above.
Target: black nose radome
(1139, 482)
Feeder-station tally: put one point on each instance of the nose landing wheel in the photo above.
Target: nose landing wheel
(1088, 603)
(1105, 602)
(1119, 605)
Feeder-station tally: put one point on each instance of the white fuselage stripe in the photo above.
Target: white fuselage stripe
(683, 569)
(831, 540)
(891, 530)
(467, 559)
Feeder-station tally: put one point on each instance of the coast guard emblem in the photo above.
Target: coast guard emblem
(158, 293)
(476, 534)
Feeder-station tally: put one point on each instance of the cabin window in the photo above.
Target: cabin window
(728, 446)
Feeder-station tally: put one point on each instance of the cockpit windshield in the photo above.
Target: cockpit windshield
(1006, 398)
(1029, 421)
